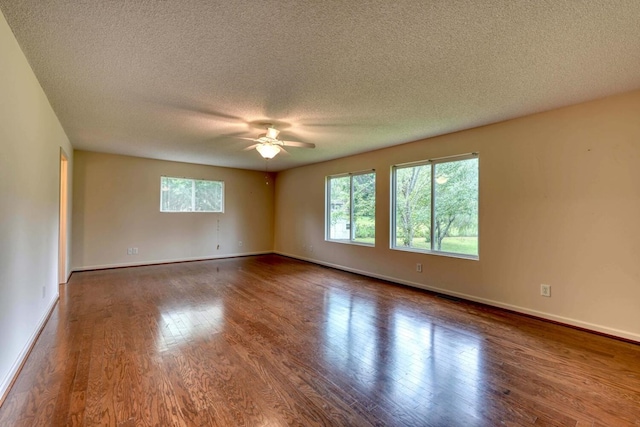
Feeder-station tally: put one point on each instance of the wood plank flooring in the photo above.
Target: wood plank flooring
(271, 341)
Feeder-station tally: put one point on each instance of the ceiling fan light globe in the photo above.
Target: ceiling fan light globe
(268, 151)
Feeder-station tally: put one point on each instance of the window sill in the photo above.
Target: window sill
(351, 242)
(444, 254)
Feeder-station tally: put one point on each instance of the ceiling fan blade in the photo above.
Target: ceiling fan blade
(298, 144)
(251, 147)
(244, 137)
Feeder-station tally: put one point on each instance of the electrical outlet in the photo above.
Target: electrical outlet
(240, 243)
(545, 290)
(419, 268)
(135, 251)
(129, 251)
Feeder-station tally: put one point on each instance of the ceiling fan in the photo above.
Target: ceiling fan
(268, 144)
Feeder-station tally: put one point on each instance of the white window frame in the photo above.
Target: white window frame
(432, 163)
(352, 228)
(193, 195)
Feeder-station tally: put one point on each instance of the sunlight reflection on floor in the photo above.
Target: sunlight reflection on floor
(402, 355)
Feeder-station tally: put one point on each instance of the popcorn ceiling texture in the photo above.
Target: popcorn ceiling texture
(181, 80)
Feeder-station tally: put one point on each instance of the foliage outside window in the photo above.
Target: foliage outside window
(435, 206)
(351, 208)
(191, 195)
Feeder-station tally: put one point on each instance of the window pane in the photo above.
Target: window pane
(339, 208)
(456, 207)
(413, 207)
(176, 194)
(364, 208)
(208, 196)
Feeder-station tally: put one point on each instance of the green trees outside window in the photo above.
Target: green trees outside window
(351, 210)
(435, 206)
(191, 195)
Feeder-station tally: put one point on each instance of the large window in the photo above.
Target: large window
(435, 206)
(191, 195)
(351, 208)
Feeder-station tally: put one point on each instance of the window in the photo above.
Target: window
(435, 206)
(191, 195)
(351, 208)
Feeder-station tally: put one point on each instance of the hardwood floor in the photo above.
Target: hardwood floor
(270, 341)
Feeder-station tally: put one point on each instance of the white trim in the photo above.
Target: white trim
(167, 261)
(437, 253)
(444, 159)
(351, 242)
(7, 381)
(541, 314)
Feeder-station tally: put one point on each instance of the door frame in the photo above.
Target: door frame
(63, 223)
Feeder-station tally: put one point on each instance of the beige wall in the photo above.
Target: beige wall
(30, 141)
(117, 206)
(559, 204)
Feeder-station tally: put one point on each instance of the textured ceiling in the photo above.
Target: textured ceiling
(181, 80)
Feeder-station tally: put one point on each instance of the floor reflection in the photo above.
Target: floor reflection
(403, 355)
(351, 338)
(189, 323)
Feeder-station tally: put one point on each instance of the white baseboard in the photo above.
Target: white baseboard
(7, 381)
(543, 315)
(166, 261)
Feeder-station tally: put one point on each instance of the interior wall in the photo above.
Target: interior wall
(30, 138)
(116, 206)
(559, 204)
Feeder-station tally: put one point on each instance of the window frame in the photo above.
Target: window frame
(193, 194)
(432, 163)
(352, 228)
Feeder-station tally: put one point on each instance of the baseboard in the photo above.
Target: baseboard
(625, 335)
(12, 375)
(166, 261)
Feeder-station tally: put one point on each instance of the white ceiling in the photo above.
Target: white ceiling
(180, 80)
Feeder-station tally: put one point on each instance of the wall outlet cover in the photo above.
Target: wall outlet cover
(545, 290)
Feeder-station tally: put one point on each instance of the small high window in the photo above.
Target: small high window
(191, 195)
